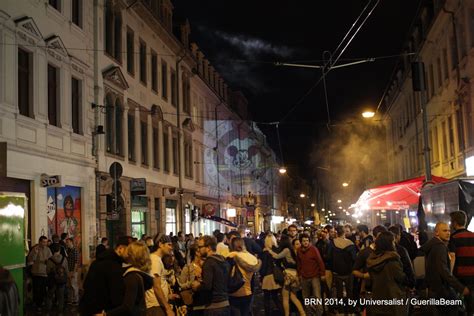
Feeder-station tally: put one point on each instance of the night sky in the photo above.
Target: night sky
(243, 39)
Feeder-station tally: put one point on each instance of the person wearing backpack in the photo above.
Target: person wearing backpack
(241, 300)
(57, 269)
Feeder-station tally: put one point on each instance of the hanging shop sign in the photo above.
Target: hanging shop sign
(208, 209)
(47, 181)
(138, 186)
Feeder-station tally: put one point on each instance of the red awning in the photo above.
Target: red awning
(395, 196)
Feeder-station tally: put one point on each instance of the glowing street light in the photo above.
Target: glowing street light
(368, 114)
(282, 170)
(313, 205)
(345, 184)
(339, 201)
(323, 209)
(302, 195)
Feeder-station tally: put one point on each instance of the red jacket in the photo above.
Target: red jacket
(309, 263)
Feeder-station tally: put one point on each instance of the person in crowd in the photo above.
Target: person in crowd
(323, 244)
(292, 232)
(103, 246)
(137, 281)
(349, 234)
(241, 300)
(62, 242)
(222, 248)
(149, 243)
(365, 240)
(387, 276)
(250, 243)
(407, 265)
(191, 272)
(292, 285)
(73, 272)
(269, 286)
(37, 259)
(157, 298)
(103, 285)
(9, 296)
(177, 252)
(343, 256)
(408, 241)
(213, 286)
(311, 270)
(331, 232)
(57, 241)
(461, 244)
(57, 270)
(182, 244)
(438, 277)
(359, 269)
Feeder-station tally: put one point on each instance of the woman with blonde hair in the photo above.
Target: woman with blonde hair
(137, 280)
(267, 272)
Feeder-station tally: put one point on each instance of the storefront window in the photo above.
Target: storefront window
(138, 224)
(187, 220)
(139, 213)
(170, 216)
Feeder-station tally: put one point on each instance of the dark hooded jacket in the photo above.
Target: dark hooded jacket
(103, 287)
(136, 284)
(342, 254)
(438, 277)
(215, 273)
(387, 276)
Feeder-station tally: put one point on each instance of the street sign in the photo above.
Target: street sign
(50, 181)
(116, 170)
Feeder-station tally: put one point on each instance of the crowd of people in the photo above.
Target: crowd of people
(219, 274)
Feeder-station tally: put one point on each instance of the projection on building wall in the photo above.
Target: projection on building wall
(235, 162)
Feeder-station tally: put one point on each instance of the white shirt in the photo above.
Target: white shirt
(157, 270)
(222, 249)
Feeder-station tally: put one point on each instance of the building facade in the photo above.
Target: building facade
(46, 84)
(442, 38)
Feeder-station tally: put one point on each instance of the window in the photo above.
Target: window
(142, 62)
(130, 51)
(166, 149)
(55, 4)
(440, 75)
(76, 101)
(186, 87)
(170, 225)
(113, 31)
(445, 141)
(131, 134)
(76, 14)
(175, 154)
(188, 157)
(197, 166)
(454, 55)
(164, 79)
(144, 140)
(173, 88)
(435, 147)
(158, 213)
(53, 95)
(187, 220)
(459, 121)
(445, 63)
(138, 224)
(432, 85)
(156, 147)
(113, 120)
(25, 86)
(154, 72)
(451, 136)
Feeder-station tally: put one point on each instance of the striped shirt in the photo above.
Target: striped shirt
(462, 244)
(72, 258)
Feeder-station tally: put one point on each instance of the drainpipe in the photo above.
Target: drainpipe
(458, 82)
(95, 140)
(178, 124)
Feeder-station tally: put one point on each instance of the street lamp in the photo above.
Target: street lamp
(345, 184)
(339, 201)
(282, 170)
(302, 195)
(368, 114)
(313, 205)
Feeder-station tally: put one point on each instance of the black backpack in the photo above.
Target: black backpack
(59, 273)
(236, 279)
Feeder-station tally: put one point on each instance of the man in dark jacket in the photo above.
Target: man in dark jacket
(215, 273)
(404, 258)
(440, 281)
(103, 287)
(408, 241)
